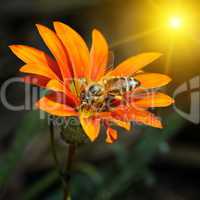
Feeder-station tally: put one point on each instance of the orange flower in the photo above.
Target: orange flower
(75, 70)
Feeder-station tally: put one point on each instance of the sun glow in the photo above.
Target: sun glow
(175, 22)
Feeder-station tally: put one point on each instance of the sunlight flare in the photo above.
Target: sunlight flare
(176, 22)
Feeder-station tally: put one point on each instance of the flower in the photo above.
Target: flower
(74, 69)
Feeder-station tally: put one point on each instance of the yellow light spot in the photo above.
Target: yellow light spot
(175, 22)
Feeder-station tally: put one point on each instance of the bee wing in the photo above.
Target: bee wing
(110, 64)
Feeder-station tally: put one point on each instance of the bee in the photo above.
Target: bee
(108, 89)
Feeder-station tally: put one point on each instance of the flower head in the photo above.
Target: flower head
(81, 85)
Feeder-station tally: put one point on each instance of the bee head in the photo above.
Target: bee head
(96, 90)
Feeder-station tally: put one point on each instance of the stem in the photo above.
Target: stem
(64, 174)
(70, 157)
(53, 147)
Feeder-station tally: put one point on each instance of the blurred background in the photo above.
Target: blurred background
(144, 164)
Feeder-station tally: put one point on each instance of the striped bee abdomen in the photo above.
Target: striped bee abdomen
(120, 85)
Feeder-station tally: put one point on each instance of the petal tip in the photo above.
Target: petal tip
(13, 47)
(57, 22)
(41, 28)
(158, 54)
(91, 127)
(38, 25)
(95, 31)
(22, 69)
(159, 124)
(168, 79)
(112, 135)
(98, 33)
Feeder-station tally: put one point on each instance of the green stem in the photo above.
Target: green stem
(70, 157)
(64, 174)
(53, 147)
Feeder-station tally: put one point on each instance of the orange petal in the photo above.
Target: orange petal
(98, 56)
(58, 86)
(31, 55)
(37, 80)
(141, 116)
(62, 98)
(76, 48)
(154, 100)
(41, 70)
(111, 135)
(145, 117)
(55, 108)
(91, 126)
(55, 85)
(123, 124)
(133, 64)
(57, 49)
(152, 80)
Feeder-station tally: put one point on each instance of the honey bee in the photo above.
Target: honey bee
(100, 95)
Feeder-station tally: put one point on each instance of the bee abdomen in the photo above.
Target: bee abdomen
(120, 85)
